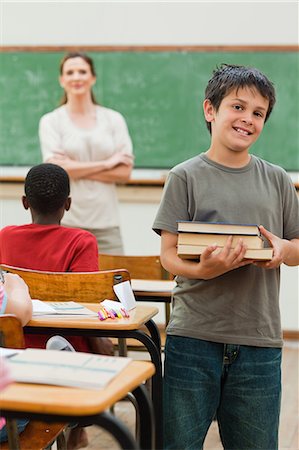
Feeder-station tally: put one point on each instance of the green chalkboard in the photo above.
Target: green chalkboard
(160, 93)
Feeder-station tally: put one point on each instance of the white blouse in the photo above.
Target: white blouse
(94, 204)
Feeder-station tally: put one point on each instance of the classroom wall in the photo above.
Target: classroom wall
(151, 23)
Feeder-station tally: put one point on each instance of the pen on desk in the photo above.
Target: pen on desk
(100, 315)
(125, 312)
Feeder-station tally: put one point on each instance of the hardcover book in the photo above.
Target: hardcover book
(252, 241)
(194, 252)
(217, 227)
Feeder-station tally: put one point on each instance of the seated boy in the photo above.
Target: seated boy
(45, 244)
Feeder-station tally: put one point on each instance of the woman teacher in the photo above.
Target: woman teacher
(93, 145)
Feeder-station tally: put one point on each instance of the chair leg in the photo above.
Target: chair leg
(167, 313)
(132, 399)
(61, 441)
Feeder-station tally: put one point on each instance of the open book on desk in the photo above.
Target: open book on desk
(62, 308)
(82, 370)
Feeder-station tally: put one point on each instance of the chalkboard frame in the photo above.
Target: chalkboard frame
(176, 48)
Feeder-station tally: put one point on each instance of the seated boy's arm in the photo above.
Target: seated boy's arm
(211, 264)
(18, 298)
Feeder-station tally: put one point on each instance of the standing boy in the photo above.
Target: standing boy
(223, 348)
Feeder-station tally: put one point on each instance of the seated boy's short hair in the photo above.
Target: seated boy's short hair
(47, 187)
(228, 77)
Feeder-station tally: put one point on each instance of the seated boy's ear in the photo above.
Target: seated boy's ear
(25, 202)
(67, 204)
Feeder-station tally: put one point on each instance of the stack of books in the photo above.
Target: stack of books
(195, 237)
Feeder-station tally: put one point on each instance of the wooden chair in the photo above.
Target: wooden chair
(83, 287)
(37, 435)
(142, 268)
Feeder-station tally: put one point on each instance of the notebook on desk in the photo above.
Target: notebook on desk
(62, 308)
(72, 369)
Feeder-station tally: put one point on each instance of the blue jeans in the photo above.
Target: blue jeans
(241, 385)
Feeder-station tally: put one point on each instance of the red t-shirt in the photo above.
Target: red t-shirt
(51, 248)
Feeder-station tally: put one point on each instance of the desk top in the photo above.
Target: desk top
(153, 288)
(138, 317)
(46, 399)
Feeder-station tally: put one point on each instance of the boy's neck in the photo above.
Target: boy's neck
(231, 159)
(40, 219)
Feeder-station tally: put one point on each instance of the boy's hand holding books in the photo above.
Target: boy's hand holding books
(278, 250)
(215, 261)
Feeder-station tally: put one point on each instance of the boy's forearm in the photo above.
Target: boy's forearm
(177, 266)
(291, 252)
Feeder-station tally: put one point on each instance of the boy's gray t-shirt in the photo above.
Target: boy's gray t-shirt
(241, 306)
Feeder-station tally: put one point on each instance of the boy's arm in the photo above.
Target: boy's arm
(211, 265)
(284, 251)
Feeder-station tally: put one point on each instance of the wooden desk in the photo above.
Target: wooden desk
(118, 328)
(84, 406)
(153, 290)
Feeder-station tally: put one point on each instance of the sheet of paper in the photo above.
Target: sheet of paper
(112, 304)
(125, 294)
(8, 352)
(41, 308)
(65, 308)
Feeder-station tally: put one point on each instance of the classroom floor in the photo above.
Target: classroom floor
(288, 437)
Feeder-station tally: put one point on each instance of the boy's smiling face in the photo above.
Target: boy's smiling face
(239, 120)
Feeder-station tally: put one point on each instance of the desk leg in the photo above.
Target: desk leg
(146, 415)
(157, 388)
(117, 429)
(154, 333)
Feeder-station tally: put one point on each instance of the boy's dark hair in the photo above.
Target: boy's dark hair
(228, 77)
(47, 187)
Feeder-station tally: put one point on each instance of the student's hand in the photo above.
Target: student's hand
(214, 262)
(14, 281)
(18, 298)
(278, 250)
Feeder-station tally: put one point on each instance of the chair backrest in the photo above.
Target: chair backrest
(140, 267)
(84, 287)
(11, 332)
